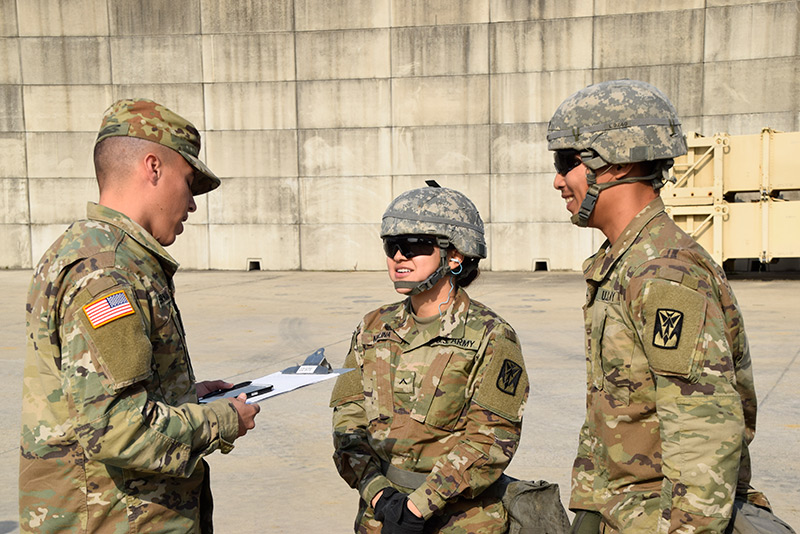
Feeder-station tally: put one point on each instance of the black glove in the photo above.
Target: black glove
(380, 506)
(395, 515)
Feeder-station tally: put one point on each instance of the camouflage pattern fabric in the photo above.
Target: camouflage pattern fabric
(437, 211)
(145, 119)
(671, 406)
(623, 121)
(112, 435)
(444, 399)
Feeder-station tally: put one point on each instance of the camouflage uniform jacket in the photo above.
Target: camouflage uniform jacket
(671, 406)
(443, 399)
(112, 435)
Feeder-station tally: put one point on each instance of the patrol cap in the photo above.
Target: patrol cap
(151, 121)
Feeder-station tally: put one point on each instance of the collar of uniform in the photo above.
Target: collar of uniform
(98, 212)
(597, 267)
(452, 324)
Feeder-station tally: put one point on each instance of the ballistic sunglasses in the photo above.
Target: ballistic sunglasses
(565, 160)
(409, 245)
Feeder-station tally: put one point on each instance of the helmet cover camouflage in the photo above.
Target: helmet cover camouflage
(148, 120)
(437, 211)
(623, 121)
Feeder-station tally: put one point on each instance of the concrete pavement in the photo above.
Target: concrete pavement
(280, 477)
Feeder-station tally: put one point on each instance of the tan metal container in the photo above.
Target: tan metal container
(739, 196)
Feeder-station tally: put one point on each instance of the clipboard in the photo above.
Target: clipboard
(314, 369)
(247, 387)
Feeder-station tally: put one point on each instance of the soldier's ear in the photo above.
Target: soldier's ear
(152, 167)
(621, 171)
(455, 256)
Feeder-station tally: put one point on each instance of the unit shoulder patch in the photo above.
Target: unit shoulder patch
(508, 377)
(674, 317)
(667, 328)
(504, 387)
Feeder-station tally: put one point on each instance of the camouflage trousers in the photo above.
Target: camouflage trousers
(483, 515)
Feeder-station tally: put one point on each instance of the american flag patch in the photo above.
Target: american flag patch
(106, 309)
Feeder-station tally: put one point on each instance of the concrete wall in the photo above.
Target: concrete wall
(316, 113)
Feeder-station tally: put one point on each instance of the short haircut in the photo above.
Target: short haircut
(114, 157)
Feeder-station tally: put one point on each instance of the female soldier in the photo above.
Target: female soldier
(432, 415)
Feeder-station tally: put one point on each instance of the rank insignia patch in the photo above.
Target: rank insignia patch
(509, 376)
(107, 309)
(404, 382)
(667, 331)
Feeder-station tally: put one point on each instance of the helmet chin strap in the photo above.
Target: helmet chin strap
(587, 206)
(418, 287)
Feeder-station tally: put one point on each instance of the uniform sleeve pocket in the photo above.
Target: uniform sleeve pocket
(114, 327)
(615, 345)
(376, 378)
(705, 450)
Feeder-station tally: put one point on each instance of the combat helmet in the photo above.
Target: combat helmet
(617, 122)
(444, 213)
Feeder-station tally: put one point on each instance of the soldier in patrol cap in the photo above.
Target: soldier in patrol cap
(433, 414)
(113, 438)
(671, 406)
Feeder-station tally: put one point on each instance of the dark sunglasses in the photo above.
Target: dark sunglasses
(566, 160)
(409, 245)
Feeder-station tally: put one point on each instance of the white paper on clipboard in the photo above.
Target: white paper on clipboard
(314, 369)
(283, 383)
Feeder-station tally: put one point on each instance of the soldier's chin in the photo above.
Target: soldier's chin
(403, 290)
(166, 241)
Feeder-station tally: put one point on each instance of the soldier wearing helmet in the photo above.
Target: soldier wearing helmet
(610, 127)
(671, 406)
(425, 427)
